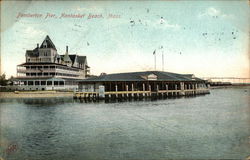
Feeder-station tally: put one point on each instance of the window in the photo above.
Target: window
(30, 83)
(56, 83)
(43, 83)
(45, 44)
(49, 83)
(37, 83)
(61, 83)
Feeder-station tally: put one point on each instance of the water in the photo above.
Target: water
(214, 126)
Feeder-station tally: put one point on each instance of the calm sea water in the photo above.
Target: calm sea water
(215, 126)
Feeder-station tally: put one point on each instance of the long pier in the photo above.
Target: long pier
(233, 80)
(139, 94)
(139, 85)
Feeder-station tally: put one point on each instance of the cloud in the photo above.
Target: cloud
(162, 24)
(167, 24)
(31, 32)
(213, 12)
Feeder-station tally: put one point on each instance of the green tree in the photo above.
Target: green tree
(10, 81)
(3, 80)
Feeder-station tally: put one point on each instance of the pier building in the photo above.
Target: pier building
(45, 69)
(141, 84)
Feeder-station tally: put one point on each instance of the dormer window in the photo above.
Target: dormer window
(152, 77)
(45, 44)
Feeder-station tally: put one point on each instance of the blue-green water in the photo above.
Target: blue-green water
(215, 126)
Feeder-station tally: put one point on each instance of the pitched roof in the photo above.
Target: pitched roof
(141, 76)
(49, 43)
(81, 59)
(72, 57)
(32, 53)
(66, 58)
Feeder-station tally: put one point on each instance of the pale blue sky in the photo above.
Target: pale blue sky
(207, 38)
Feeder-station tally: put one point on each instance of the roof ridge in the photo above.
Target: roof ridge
(47, 38)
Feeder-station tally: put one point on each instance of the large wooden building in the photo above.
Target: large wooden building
(45, 69)
(142, 83)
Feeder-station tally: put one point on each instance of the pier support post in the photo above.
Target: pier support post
(157, 89)
(208, 85)
(116, 89)
(182, 89)
(193, 92)
(175, 87)
(132, 90)
(149, 86)
(143, 88)
(195, 87)
(189, 88)
(127, 90)
(167, 89)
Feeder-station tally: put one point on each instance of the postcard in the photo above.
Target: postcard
(125, 80)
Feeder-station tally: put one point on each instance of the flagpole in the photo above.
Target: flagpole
(155, 58)
(155, 62)
(162, 61)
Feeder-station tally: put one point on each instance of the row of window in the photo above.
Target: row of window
(51, 74)
(66, 68)
(48, 83)
(43, 83)
(45, 54)
(39, 60)
(51, 67)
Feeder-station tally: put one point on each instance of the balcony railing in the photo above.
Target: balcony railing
(45, 70)
(35, 70)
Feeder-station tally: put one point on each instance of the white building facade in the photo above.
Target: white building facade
(45, 69)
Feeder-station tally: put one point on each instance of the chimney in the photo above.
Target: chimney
(37, 45)
(67, 49)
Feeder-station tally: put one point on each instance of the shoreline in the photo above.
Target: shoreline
(231, 86)
(61, 94)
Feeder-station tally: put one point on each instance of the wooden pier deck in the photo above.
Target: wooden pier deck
(140, 94)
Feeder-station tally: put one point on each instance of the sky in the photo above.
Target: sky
(205, 38)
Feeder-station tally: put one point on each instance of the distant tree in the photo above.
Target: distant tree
(3, 80)
(10, 81)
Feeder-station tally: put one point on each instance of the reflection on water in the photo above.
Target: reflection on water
(214, 126)
(39, 101)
